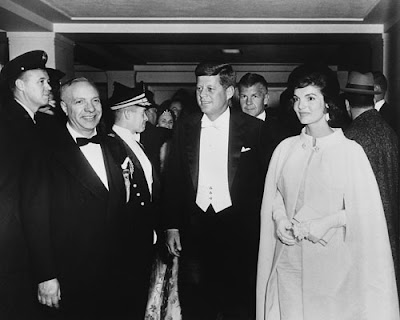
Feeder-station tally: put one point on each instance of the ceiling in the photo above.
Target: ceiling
(118, 34)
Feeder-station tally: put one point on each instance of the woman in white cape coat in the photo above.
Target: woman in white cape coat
(344, 265)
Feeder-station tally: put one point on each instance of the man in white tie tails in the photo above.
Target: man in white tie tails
(212, 200)
(73, 213)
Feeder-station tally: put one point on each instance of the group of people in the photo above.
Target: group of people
(252, 221)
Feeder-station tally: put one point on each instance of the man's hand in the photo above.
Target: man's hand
(173, 242)
(49, 293)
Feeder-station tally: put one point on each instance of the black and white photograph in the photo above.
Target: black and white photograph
(199, 159)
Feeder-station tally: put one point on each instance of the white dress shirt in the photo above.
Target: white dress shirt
(213, 186)
(379, 104)
(93, 154)
(131, 140)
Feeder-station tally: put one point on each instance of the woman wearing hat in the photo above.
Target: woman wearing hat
(324, 247)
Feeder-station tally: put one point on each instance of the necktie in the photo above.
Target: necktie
(84, 141)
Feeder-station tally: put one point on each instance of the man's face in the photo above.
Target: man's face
(165, 120)
(152, 115)
(34, 88)
(212, 97)
(253, 99)
(176, 108)
(81, 103)
(137, 119)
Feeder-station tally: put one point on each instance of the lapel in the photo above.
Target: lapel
(70, 156)
(191, 133)
(116, 183)
(236, 142)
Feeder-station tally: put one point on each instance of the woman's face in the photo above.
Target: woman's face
(309, 105)
(165, 120)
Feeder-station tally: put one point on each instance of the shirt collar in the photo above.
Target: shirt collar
(76, 134)
(123, 132)
(379, 104)
(262, 116)
(222, 122)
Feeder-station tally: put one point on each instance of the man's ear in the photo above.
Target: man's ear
(64, 107)
(348, 108)
(19, 84)
(266, 99)
(230, 91)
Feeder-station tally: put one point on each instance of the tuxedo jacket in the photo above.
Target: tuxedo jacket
(72, 222)
(249, 152)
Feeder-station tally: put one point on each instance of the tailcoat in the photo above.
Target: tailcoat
(229, 239)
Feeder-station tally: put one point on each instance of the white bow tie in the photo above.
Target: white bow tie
(207, 123)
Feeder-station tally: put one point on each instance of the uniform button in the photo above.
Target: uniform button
(134, 185)
(142, 204)
(303, 145)
(210, 198)
(138, 194)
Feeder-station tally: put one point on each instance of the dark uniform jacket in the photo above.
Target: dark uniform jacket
(141, 216)
(18, 136)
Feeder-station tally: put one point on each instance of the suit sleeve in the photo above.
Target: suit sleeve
(171, 200)
(36, 215)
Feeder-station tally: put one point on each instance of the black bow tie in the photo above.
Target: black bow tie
(84, 141)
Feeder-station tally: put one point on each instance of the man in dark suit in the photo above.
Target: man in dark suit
(212, 201)
(26, 81)
(253, 98)
(73, 214)
(385, 109)
(380, 144)
(129, 107)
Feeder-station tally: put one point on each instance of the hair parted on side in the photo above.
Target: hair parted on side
(225, 71)
(251, 79)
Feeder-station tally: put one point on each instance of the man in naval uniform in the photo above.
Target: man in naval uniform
(26, 83)
(142, 185)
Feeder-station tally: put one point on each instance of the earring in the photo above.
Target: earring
(327, 118)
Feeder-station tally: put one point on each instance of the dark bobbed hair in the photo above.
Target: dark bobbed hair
(225, 71)
(250, 79)
(321, 76)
